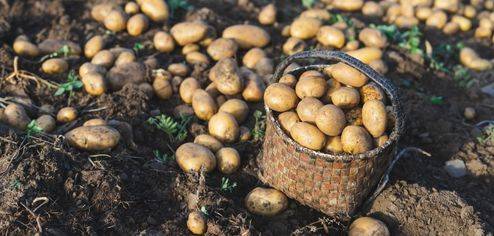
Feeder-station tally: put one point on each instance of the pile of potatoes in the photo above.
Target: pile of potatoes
(334, 111)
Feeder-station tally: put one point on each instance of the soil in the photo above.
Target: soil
(47, 186)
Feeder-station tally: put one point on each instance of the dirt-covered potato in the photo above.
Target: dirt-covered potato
(203, 104)
(308, 135)
(197, 223)
(252, 57)
(348, 5)
(224, 127)
(67, 114)
(137, 24)
(333, 145)
(372, 9)
(437, 19)
(162, 88)
(94, 45)
(374, 117)
(46, 109)
(265, 67)
(47, 123)
(104, 58)
(95, 122)
(23, 47)
(163, 42)
(356, 140)
(267, 15)
(266, 201)
(305, 27)
(197, 58)
(331, 36)
(247, 36)
(93, 138)
(373, 38)
(156, 10)
(15, 115)
(307, 109)
(406, 21)
(470, 59)
(367, 226)
(178, 69)
(193, 157)
(94, 83)
(311, 86)
(254, 86)
(245, 134)
(116, 20)
(125, 57)
(330, 119)
(187, 89)
(49, 46)
(288, 79)
(189, 32)
(100, 11)
(345, 97)
(348, 75)
(372, 91)
(119, 76)
(366, 54)
(226, 76)
(222, 48)
(228, 160)
(208, 141)
(236, 107)
(131, 8)
(147, 89)
(280, 97)
(469, 113)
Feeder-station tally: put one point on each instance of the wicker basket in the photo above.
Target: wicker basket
(333, 184)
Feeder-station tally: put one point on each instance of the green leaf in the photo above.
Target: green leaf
(60, 91)
(308, 3)
(437, 100)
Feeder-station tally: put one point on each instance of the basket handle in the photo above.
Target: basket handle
(351, 61)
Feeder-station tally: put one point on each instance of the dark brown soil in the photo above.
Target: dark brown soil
(47, 186)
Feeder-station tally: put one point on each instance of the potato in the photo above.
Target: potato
(374, 117)
(265, 67)
(103, 58)
(285, 32)
(226, 76)
(189, 32)
(137, 24)
(253, 56)
(422, 13)
(288, 79)
(179, 69)
(222, 48)
(307, 109)
(100, 11)
(116, 20)
(333, 85)
(247, 36)
(366, 54)
(469, 113)
(129, 73)
(254, 86)
(93, 138)
(393, 12)
(469, 11)
(95, 122)
(483, 33)
(93, 46)
(312, 86)
(147, 89)
(228, 160)
(308, 135)
(287, 119)
(187, 89)
(46, 122)
(162, 88)
(373, 38)
(291, 67)
(464, 23)
(192, 157)
(486, 23)
(333, 145)
(197, 58)
(203, 104)
(379, 66)
(131, 8)
(448, 5)
(23, 47)
(280, 97)
(190, 48)
(196, 223)
(156, 10)
(54, 66)
(372, 9)
(348, 5)
(267, 16)
(367, 226)
(294, 45)
(245, 134)
(351, 46)
(220, 100)
(125, 57)
(305, 27)
(372, 91)
(331, 36)
(15, 115)
(49, 46)
(208, 141)
(224, 127)
(348, 75)
(46, 109)
(236, 107)
(321, 14)
(266, 201)
(470, 59)
(163, 42)
(67, 114)
(356, 140)
(330, 119)
(345, 97)
(437, 19)
(176, 82)
(94, 83)
(380, 141)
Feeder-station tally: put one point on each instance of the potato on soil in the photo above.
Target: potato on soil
(208, 141)
(49, 46)
(294, 45)
(46, 109)
(156, 10)
(280, 97)
(197, 223)
(333, 145)
(374, 117)
(330, 119)
(321, 14)
(451, 28)
(247, 36)
(228, 160)
(137, 24)
(191, 47)
(23, 47)
(88, 67)
(307, 109)
(147, 89)
(163, 42)
(224, 127)
(226, 76)
(356, 140)
(67, 114)
(366, 54)
(331, 36)
(162, 88)
(470, 59)
(348, 5)
(348, 75)
(116, 20)
(54, 66)
(423, 12)
(179, 69)
(222, 48)
(189, 32)
(464, 23)
(308, 135)
(351, 46)
(253, 56)
(104, 58)
(305, 27)
(437, 19)
(373, 38)
(187, 89)
(245, 134)
(100, 11)
(93, 46)
(121, 75)
(372, 9)
(367, 226)
(406, 21)
(196, 58)
(15, 115)
(266, 201)
(95, 122)
(345, 97)
(125, 57)
(131, 8)
(311, 86)
(203, 104)
(47, 123)
(94, 83)
(264, 67)
(372, 91)
(287, 119)
(267, 15)
(254, 86)
(236, 107)
(192, 157)
(311, 73)
(93, 138)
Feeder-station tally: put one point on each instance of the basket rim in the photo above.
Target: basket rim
(395, 103)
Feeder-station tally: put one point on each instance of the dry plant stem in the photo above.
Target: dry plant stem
(22, 74)
(38, 222)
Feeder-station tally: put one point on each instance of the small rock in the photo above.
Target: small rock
(469, 113)
(488, 89)
(455, 168)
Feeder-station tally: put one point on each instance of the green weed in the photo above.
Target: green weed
(72, 83)
(176, 130)
(260, 126)
(63, 51)
(163, 157)
(33, 128)
(227, 186)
